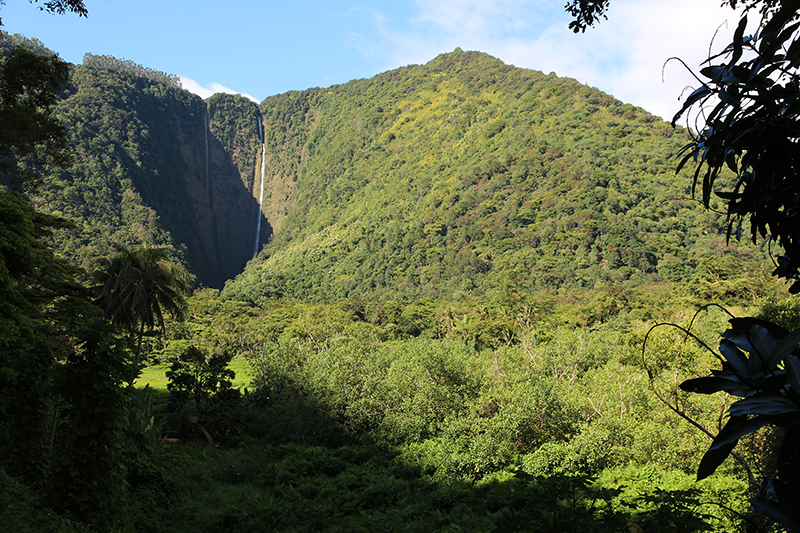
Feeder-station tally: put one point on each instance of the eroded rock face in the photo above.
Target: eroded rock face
(154, 163)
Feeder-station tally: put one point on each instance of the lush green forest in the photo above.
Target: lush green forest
(438, 180)
(145, 170)
(452, 177)
(481, 292)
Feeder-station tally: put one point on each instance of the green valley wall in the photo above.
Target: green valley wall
(146, 170)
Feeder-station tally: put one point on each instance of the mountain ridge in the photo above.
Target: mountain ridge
(143, 172)
(442, 180)
(429, 180)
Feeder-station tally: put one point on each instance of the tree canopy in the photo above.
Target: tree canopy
(137, 285)
(586, 13)
(31, 135)
(33, 286)
(493, 172)
(748, 112)
(59, 7)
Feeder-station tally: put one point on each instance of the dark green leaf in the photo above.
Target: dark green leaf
(736, 428)
(773, 510)
(783, 348)
(789, 500)
(738, 40)
(763, 404)
(712, 459)
(764, 345)
(711, 385)
(792, 365)
(736, 358)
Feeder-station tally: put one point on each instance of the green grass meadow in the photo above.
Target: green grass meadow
(155, 375)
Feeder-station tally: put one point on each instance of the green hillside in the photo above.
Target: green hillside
(442, 181)
(474, 308)
(144, 169)
(445, 179)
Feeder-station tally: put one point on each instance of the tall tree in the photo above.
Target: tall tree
(136, 286)
(31, 136)
(35, 286)
(749, 111)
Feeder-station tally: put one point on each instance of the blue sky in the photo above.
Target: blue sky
(270, 47)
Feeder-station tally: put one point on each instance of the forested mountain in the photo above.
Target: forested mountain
(443, 180)
(450, 178)
(473, 302)
(146, 169)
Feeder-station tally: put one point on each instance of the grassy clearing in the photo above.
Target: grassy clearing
(155, 375)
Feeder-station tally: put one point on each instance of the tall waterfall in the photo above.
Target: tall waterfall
(261, 194)
(205, 123)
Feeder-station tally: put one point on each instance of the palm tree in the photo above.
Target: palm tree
(136, 286)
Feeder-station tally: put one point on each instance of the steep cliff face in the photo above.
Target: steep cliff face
(147, 168)
(235, 154)
(290, 119)
(440, 180)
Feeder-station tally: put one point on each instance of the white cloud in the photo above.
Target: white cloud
(474, 17)
(204, 92)
(623, 56)
(644, 36)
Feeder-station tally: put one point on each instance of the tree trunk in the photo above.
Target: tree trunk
(138, 351)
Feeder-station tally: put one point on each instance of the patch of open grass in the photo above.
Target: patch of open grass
(244, 372)
(155, 375)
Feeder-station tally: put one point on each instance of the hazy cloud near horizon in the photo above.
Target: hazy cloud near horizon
(627, 56)
(213, 88)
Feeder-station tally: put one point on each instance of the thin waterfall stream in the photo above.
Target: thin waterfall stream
(208, 181)
(261, 194)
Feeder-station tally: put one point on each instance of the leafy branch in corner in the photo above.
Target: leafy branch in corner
(760, 366)
(749, 108)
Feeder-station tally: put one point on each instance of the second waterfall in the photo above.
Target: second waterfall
(208, 180)
(260, 215)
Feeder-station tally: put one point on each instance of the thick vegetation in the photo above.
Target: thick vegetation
(31, 136)
(351, 423)
(451, 177)
(752, 92)
(145, 170)
(437, 180)
(451, 330)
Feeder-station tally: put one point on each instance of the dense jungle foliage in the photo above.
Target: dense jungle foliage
(472, 316)
(355, 421)
(141, 171)
(448, 178)
(364, 416)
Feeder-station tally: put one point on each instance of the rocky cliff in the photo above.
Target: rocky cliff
(154, 163)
